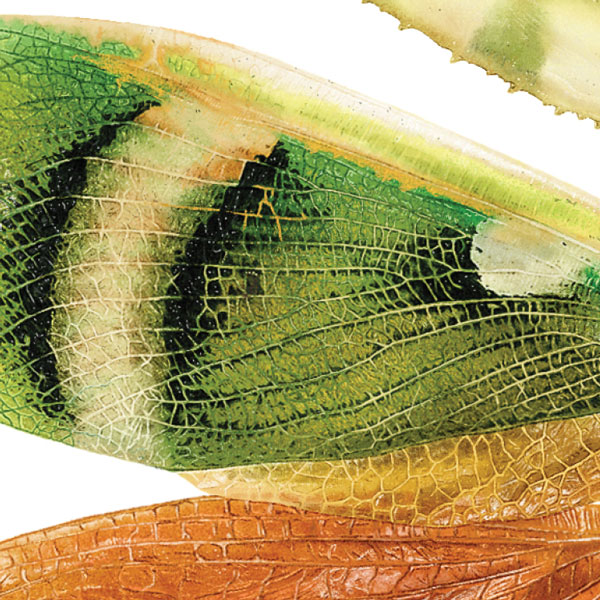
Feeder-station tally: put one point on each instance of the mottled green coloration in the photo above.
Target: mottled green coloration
(512, 39)
(168, 298)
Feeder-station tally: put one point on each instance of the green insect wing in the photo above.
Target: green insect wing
(214, 264)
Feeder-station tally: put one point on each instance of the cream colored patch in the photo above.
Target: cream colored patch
(220, 147)
(114, 269)
(110, 355)
(571, 74)
(515, 258)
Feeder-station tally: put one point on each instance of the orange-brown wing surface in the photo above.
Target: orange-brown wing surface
(211, 548)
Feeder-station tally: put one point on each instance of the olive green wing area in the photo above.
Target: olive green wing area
(351, 319)
(195, 277)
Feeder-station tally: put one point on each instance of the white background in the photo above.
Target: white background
(44, 483)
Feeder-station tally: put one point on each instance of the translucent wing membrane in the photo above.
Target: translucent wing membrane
(550, 48)
(211, 261)
(214, 548)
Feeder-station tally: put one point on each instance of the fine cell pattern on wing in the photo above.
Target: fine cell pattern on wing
(219, 549)
(202, 270)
